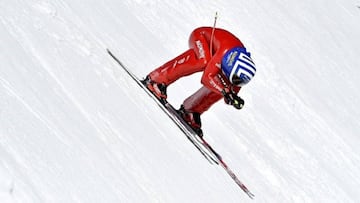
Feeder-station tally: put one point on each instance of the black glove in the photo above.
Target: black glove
(232, 99)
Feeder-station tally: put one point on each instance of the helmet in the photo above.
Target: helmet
(238, 66)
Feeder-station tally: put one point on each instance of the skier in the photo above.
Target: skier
(226, 65)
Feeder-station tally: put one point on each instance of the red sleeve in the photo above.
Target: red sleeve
(215, 80)
(212, 77)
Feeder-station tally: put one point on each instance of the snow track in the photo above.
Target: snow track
(74, 128)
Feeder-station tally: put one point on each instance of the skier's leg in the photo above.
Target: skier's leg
(201, 100)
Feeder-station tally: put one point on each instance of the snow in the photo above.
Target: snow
(75, 128)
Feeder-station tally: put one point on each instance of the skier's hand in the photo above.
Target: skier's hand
(232, 99)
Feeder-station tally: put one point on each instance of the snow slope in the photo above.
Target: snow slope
(75, 128)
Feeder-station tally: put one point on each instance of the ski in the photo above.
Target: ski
(228, 170)
(198, 141)
(170, 112)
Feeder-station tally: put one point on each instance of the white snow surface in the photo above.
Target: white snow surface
(75, 128)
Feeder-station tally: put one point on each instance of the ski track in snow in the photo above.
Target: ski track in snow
(75, 128)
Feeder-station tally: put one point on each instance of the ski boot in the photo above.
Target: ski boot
(191, 118)
(158, 89)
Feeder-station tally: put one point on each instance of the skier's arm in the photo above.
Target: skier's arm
(212, 77)
(214, 80)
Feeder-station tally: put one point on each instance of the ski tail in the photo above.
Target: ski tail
(221, 162)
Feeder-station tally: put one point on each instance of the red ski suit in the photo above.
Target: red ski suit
(198, 58)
